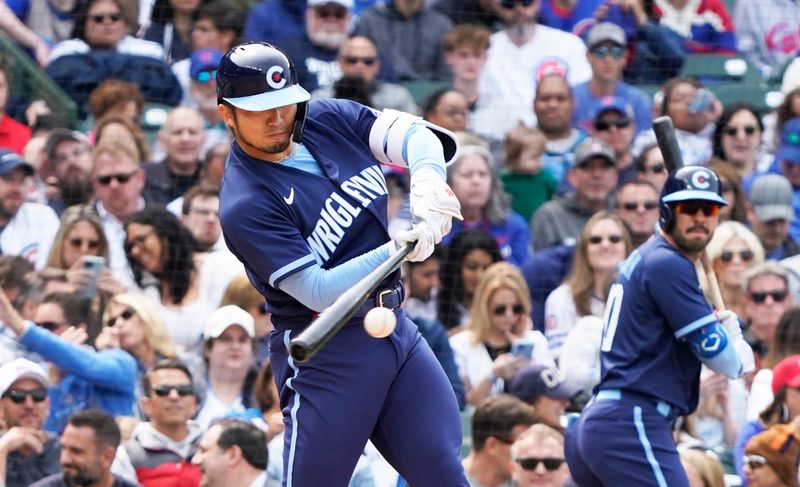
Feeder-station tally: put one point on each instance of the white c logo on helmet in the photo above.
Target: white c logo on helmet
(275, 78)
(701, 180)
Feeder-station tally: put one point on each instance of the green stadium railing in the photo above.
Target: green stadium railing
(29, 82)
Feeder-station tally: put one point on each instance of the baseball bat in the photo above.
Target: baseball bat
(334, 317)
(673, 160)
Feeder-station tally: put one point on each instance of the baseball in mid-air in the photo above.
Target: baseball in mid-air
(380, 322)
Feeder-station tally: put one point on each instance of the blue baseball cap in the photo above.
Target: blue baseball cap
(789, 149)
(10, 160)
(540, 380)
(204, 60)
(616, 103)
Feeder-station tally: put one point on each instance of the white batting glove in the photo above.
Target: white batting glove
(731, 323)
(433, 202)
(424, 238)
(745, 354)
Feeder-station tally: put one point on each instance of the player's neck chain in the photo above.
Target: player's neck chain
(287, 156)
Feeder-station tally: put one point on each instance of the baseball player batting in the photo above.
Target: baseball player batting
(303, 206)
(659, 330)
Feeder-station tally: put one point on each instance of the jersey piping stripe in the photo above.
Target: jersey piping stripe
(293, 413)
(284, 271)
(694, 325)
(648, 449)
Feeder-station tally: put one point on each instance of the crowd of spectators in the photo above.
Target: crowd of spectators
(134, 350)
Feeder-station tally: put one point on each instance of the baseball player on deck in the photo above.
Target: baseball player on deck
(303, 206)
(659, 330)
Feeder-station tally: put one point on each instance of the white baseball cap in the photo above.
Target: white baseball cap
(223, 318)
(19, 369)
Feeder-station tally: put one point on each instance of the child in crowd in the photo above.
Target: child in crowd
(524, 180)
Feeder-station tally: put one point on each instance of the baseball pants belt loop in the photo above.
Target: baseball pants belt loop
(386, 298)
(663, 408)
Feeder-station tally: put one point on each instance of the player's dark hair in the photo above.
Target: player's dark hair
(177, 252)
(451, 294)
(725, 119)
(497, 416)
(247, 436)
(166, 364)
(787, 339)
(106, 431)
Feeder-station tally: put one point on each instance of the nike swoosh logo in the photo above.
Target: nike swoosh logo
(289, 199)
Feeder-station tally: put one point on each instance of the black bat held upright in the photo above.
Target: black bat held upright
(665, 135)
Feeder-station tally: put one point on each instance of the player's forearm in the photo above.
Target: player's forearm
(316, 288)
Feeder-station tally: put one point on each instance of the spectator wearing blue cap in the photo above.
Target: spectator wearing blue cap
(543, 387)
(26, 228)
(607, 55)
(615, 124)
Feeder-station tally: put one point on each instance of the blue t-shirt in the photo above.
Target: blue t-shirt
(586, 106)
(279, 219)
(653, 305)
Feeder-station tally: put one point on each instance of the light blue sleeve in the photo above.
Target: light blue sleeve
(713, 347)
(317, 288)
(421, 149)
(113, 369)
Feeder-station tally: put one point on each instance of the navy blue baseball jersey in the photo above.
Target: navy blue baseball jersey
(299, 218)
(654, 304)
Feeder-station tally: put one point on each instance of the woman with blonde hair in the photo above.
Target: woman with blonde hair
(499, 338)
(702, 468)
(604, 243)
(732, 250)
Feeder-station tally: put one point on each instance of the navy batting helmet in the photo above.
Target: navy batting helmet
(689, 183)
(256, 76)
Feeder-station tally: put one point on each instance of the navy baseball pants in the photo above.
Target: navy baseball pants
(624, 439)
(391, 390)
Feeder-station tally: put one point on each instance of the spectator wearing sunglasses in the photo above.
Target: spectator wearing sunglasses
(607, 54)
(83, 376)
(359, 58)
(496, 424)
(637, 205)
(732, 251)
(650, 166)
(27, 452)
(604, 243)
(160, 450)
(118, 182)
(782, 413)
(537, 457)
(26, 228)
(615, 125)
(81, 234)
(737, 140)
(767, 296)
(499, 339)
(132, 324)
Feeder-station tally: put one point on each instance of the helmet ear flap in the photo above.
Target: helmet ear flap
(299, 122)
(666, 217)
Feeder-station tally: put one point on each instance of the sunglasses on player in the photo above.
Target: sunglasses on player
(692, 207)
(18, 395)
(531, 463)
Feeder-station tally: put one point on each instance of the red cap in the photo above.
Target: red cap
(786, 373)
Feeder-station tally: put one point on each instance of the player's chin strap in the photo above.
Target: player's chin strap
(388, 136)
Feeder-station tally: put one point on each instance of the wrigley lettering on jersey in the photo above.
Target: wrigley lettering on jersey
(338, 214)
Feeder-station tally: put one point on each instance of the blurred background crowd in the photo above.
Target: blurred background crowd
(134, 349)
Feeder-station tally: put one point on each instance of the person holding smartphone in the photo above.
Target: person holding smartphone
(499, 339)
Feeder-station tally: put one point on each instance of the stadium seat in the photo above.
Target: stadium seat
(421, 90)
(712, 69)
(466, 432)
